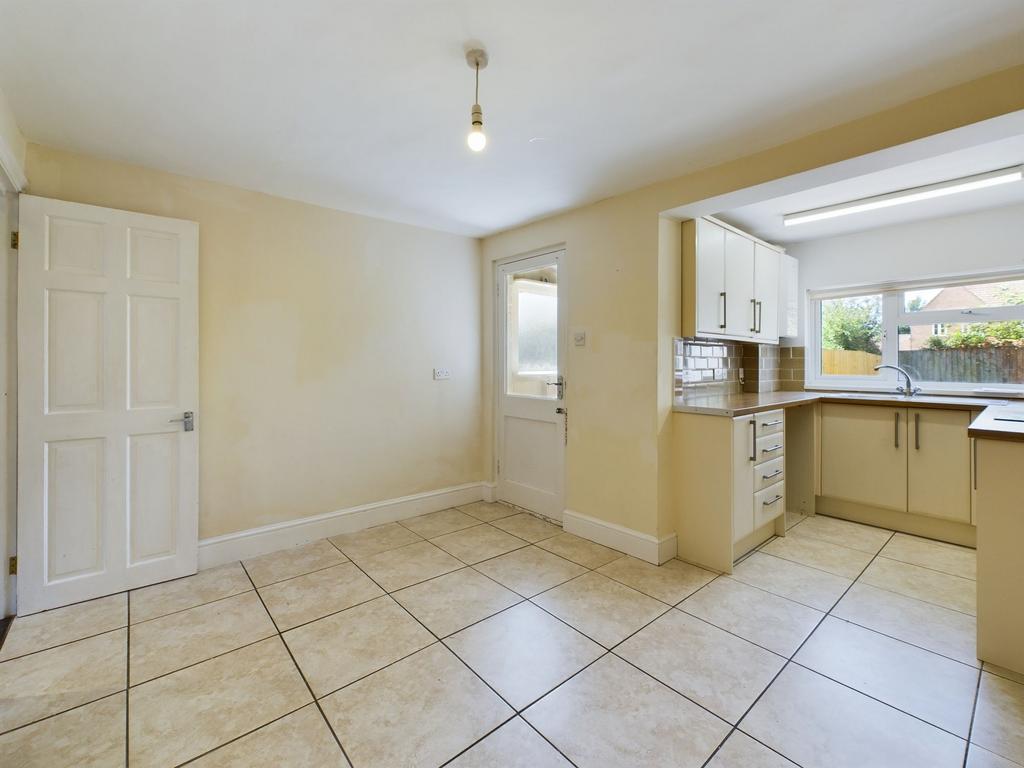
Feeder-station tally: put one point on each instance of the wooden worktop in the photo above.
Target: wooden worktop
(746, 403)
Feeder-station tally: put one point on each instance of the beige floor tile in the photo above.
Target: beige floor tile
(456, 600)
(51, 681)
(403, 567)
(982, 758)
(741, 751)
(373, 541)
(938, 629)
(527, 527)
(481, 542)
(602, 609)
(187, 713)
(299, 739)
(818, 723)
(204, 587)
(439, 523)
(999, 719)
(719, 671)
(953, 592)
(937, 555)
(589, 554)
(772, 622)
(342, 648)
(292, 562)
(1009, 674)
(171, 642)
(423, 710)
(612, 714)
(936, 689)
(488, 511)
(810, 586)
(669, 582)
(514, 745)
(843, 532)
(530, 570)
(91, 736)
(63, 625)
(317, 594)
(523, 652)
(841, 561)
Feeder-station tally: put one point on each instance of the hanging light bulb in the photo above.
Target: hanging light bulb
(477, 139)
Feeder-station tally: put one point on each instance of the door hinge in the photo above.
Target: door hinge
(12, 566)
(14, 240)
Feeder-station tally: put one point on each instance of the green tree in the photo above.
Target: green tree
(853, 324)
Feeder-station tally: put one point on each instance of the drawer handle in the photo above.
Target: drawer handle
(773, 449)
(773, 501)
(771, 423)
(776, 473)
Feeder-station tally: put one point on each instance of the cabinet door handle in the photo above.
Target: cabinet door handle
(974, 462)
(753, 439)
(917, 431)
(753, 315)
(771, 423)
(776, 473)
(760, 315)
(776, 500)
(725, 311)
(773, 449)
(896, 430)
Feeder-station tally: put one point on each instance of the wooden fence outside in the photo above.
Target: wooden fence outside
(982, 365)
(848, 362)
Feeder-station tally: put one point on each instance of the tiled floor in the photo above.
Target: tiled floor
(482, 637)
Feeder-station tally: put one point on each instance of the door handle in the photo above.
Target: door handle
(776, 473)
(560, 383)
(771, 423)
(773, 449)
(753, 315)
(896, 431)
(917, 431)
(188, 419)
(776, 500)
(753, 439)
(725, 311)
(760, 315)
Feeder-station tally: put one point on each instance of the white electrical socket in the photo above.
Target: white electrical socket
(442, 373)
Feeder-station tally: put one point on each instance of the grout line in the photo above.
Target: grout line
(247, 733)
(925, 567)
(118, 692)
(974, 713)
(300, 575)
(65, 644)
(919, 599)
(197, 605)
(288, 650)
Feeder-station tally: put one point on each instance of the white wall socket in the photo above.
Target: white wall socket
(442, 373)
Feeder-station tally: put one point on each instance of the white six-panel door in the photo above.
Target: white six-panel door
(107, 359)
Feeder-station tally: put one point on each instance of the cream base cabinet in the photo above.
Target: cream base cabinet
(939, 464)
(864, 454)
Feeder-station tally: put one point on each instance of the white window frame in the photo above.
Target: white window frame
(895, 315)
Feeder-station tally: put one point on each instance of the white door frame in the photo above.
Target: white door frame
(500, 353)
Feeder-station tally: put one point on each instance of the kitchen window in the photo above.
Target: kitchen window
(960, 337)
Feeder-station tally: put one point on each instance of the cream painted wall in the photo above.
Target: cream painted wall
(616, 458)
(950, 245)
(318, 332)
(12, 143)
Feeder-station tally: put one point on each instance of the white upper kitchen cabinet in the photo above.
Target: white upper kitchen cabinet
(734, 285)
(710, 294)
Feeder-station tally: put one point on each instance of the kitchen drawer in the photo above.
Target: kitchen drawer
(769, 447)
(769, 504)
(768, 473)
(769, 423)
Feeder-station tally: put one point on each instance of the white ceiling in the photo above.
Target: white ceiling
(764, 219)
(363, 105)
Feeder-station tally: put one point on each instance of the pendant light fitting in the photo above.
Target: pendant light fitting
(477, 139)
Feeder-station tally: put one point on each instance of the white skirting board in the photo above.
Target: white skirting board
(640, 545)
(253, 542)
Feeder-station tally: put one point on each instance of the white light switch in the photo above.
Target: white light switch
(442, 373)
(579, 338)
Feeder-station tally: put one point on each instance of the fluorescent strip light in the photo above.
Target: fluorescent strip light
(943, 188)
